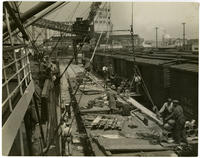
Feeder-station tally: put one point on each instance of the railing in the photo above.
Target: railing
(16, 78)
(17, 92)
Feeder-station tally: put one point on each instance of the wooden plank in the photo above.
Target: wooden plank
(129, 144)
(11, 126)
(96, 120)
(70, 72)
(65, 95)
(96, 110)
(169, 153)
(144, 110)
(77, 68)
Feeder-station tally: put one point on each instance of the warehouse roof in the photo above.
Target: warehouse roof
(189, 67)
(186, 67)
(138, 59)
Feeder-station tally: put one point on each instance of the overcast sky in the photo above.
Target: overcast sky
(146, 16)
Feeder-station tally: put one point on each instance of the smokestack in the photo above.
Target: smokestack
(183, 35)
(156, 37)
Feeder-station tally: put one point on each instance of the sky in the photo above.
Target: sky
(167, 16)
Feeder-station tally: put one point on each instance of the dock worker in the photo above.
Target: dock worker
(166, 109)
(68, 109)
(66, 135)
(112, 79)
(112, 101)
(105, 74)
(137, 80)
(179, 129)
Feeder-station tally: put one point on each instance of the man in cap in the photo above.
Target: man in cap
(178, 116)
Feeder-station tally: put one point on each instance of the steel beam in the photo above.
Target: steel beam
(17, 21)
(49, 10)
(28, 14)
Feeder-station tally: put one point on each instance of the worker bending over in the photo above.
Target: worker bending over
(166, 109)
(179, 129)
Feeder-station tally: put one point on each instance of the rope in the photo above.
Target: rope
(91, 59)
(71, 60)
(145, 87)
(56, 131)
(76, 7)
(134, 62)
(74, 92)
(65, 32)
(73, 95)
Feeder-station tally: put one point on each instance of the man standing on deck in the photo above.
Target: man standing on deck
(178, 115)
(66, 135)
(112, 101)
(68, 109)
(105, 74)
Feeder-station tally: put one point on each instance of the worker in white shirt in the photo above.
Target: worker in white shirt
(105, 75)
(105, 69)
(66, 135)
(137, 80)
(166, 109)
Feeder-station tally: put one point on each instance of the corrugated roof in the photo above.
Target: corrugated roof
(137, 59)
(186, 67)
(189, 67)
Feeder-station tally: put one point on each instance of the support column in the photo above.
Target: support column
(21, 141)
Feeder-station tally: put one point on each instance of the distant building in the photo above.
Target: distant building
(125, 39)
(178, 42)
(195, 47)
(192, 45)
(102, 22)
(146, 45)
(152, 43)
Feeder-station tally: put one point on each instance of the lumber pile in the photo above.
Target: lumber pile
(144, 110)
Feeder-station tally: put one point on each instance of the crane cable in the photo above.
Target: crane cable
(91, 59)
(80, 50)
(48, 147)
(73, 13)
(136, 69)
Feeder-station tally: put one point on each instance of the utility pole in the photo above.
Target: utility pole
(183, 35)
(156, 37)
(132, 34)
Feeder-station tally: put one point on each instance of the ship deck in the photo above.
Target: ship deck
(141, 140)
